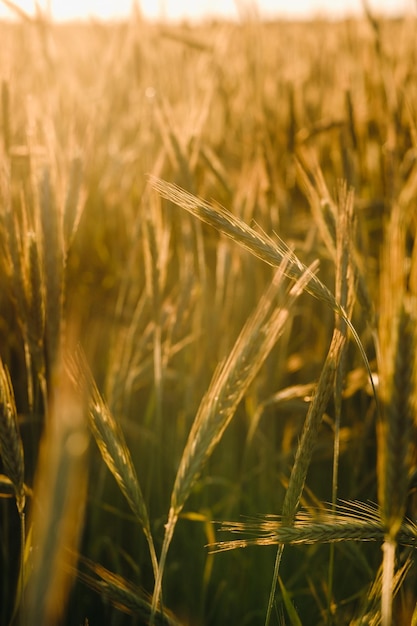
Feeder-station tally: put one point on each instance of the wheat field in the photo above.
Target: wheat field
(208, 303)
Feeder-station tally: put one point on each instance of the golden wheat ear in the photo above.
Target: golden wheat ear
(271, 251)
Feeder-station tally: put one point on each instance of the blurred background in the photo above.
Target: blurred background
(191, 10)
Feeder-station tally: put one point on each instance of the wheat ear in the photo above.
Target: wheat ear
(271, 251)
(123, 594)
(348, 521)
(111, 442)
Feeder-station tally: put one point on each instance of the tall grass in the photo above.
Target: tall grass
(209, 270)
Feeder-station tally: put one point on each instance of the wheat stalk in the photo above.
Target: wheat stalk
(74, 202)
(306, 447)
(11, 448)
(397, 369)
(36, 314)
(53, 257)
(397, 366)
(326, 386)
(227, 388)
(15, 255)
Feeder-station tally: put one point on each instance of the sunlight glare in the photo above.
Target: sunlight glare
(189, 9)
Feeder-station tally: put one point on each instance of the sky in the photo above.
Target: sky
(195, 9)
